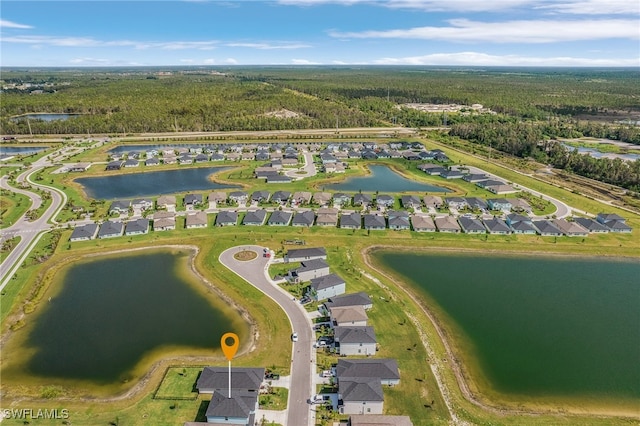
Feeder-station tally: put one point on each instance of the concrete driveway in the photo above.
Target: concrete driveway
(303, 365)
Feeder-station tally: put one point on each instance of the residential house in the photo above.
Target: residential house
(279, 218)
(341, 199)
(327, 286)
(327, 159)
(398, 220)
(278, 179)
(446, 224)
(142, 204)
(264, 172)
(451, 174)
(262, 156)
(114, 165)
(120, 207)
(360, 384)
(489, 182)
(520, 224)
(305, 218)
(374, 222)
(301, 197)
(300, 255)
(260, 196)
(496, 226)
(321, 198)
(308, 270)
(474, 177)
(216, 157)
(350, 340)
(348, 316)
(84, 232)
(110, 229)
(164, 221)
(457, 203)
(169, 159)
(520, 205)
(193, 200)
(351, 299)
(290, 160)
(137, 227)
(593, 226)
(255, 217)
(151, 162)
(351, 221)
(196, 220)
(433, 201)
(248, 156)
(476, 203)
(432, 169)
(202, 158)
(79, 167)
(500, 189)
(411, 202)
(185, 159)
(384, 200)
(216, 198)
(167, 202)
(368, 154)
(361, 199)
(422, 223)
(281, 197)
(471, 225)
(327, 217)
(241, 407)
(499, 204)
(546, 228)
(227, 218)
(614, 222)
(239, 197)
(571, 229)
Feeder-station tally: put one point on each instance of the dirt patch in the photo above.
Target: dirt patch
(282, 113)
(245, 255)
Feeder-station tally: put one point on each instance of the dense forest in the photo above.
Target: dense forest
(528, 106)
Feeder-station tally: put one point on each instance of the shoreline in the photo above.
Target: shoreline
(466, 387)
(150, 373)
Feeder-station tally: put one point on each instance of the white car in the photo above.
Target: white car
(294, 337)
(319, 399)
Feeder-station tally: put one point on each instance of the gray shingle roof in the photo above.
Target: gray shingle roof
(255, 217)
(240, 405)
(137, 226)
(84, 231)
(304, 218)
(225, 217)
(352, 220)
(307, 252)
(381, 368)
(355, 334)
(374, 221)
(361, 389)
(471, 225)
(242, 378)
(279, 217)
(352, 299)
(327, 281)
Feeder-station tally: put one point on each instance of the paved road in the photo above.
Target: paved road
(562, 209)
(256, 273)
(29, 232)
(309, 168)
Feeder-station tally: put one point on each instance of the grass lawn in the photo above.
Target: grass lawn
(276, 399)
(12, 207)
(179, 383)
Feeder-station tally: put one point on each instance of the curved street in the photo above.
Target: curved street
(29, 232)
(255, 272)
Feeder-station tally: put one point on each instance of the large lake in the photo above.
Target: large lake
(111, 312)
(151, 183)
(20, 150)
(384, 179)
(528, 328)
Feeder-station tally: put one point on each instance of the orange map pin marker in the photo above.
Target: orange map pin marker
(229, 350)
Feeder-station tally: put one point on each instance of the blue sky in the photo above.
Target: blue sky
(327, 32)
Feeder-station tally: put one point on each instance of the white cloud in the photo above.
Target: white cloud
(269, 46)
(581, 7)
(181, 45)
(91, 42)
(533, 31)
(9, 24)
(89, 61)
(304, 62)
(230, 61)
(483, 59)
(593, 7)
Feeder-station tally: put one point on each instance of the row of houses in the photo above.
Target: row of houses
(360, 381)
(363, 378)
(481, 180)
(340, 199)
(328, 156)
(395, 220)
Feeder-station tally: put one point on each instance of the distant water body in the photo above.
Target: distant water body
(384, 179)
(537, 327)
(131, 185)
